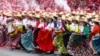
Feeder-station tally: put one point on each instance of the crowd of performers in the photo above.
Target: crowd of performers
(71, 33)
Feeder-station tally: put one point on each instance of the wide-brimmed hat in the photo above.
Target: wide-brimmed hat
(69, 18)
(7, 13)
(76, 18)
(96, 20)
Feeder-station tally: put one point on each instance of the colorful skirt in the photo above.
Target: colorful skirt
(35, 35)
(96, 43)
(15, 41)
(77, 38)
(1, 38)
(27, 41)
(45, 41)
(58, 42)
(79, 48)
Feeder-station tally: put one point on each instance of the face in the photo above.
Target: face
(50, 20)
(42, 20)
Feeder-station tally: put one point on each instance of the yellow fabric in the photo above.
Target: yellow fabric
(77, 30)
(68, 27)
(18, 30)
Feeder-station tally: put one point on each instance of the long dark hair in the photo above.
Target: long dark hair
(97, 23)
(24, 29)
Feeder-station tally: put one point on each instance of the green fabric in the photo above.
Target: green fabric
(86, 31)
(58, 42)
(76, 38)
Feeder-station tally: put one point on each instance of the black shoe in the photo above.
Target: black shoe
(66, 54)
(69, 54)
(98, 53)
(50, 52)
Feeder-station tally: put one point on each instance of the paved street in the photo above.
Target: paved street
(8, 52)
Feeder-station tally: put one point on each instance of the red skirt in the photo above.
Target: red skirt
(45, 41)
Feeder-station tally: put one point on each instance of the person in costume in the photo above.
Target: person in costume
(10, 29)
(33, 23)
(26, 21)
(75, 26)
(1, 36)
(16, 34)
(42, 23)
(58, 42)
(44, 38)
(78, 45)
(67, 33)
(39, 25)
(3, 30)
(94, 37)
(27, 39)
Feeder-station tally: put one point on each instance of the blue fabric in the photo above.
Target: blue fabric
(27, 40)
(96, 43)
(55, 23)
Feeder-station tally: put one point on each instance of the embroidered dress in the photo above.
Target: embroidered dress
(45, 41)
(78, 44)
(27, 40)
(1, 36)
(58, 42)
(96, 43)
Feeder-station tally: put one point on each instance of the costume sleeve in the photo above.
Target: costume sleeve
(95, 29)
(77, 30)
(86, 31)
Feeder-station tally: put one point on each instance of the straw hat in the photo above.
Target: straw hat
(70, 18)
(67, 15)
(85, 20)
(7, 14)
(31, 15)
(76, 18)
(63, 17)
(18, 15)
(1, 12)
(54, 14)
(37, 15)
(96, 20)
(73, 12)
(88, 16)
(97, 16)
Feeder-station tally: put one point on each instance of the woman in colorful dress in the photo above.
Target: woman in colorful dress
(67, 34)
(44, 38)
(78, 45)
(1, 36)
(16, 34)
(95, 37)
(10, 29)
(58, 39)
(58, 42)
(27, 39)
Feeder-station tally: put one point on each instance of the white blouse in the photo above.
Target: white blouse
(4, 21)
(82, 28)
(41, 25)
(50, 26)
(33, 23)
(10, 27)
(24, 22)
(73, 26)
(18, 23)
